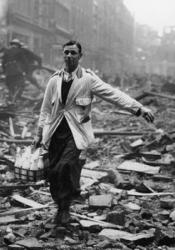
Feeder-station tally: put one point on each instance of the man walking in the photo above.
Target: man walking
(64, 126)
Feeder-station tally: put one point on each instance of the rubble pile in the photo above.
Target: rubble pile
(127, 185)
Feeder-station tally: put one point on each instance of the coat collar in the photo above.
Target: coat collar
(74, 89)
(78, 72)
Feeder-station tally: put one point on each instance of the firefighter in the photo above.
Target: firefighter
(12, 61)
(33, 62)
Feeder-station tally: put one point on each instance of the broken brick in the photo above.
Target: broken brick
(167, 203)
(116, 217)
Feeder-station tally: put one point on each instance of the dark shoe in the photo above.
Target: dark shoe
(65, 217)
(57, 219)
(78, 199)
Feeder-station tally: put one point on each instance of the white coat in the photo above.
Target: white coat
(77, 109)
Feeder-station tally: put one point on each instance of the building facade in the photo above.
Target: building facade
(43, 25)
(104, 27)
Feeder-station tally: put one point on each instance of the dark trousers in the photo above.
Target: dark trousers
(65, 168)
(32, 79)
(15, 84)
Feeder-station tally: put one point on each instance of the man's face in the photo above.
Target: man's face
(71, 56)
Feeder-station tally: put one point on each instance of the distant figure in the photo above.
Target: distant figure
(117, 80)
(2, 51)
(33, 62)
(12, 61)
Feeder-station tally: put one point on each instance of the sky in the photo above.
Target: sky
(155, 13)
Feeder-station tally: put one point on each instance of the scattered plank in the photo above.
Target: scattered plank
(148, 187)
(4, 160)
(137, 143)
(41, 192)
(26, 201)
(13, 187)
(8, 220)
(11, 127)
(89, 223)
(92, 165)
(164, 178)
(96, 133)
(93, 174)
(118, 234)
(134, 193)
(101, 223)
(101, 133)
(138, 167)
(151, 155)
(119, 112)
(30, 243)
(25, 211)
(160, 95)
(27, 142)
(87, 182)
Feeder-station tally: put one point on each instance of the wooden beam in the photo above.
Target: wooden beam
(101, 223)
(101, 133)
(25, 211)
(26, 201)
(17, 141)
(160, 95)
(20, 186)
(96, 133)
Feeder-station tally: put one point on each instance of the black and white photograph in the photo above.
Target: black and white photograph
(87, 114)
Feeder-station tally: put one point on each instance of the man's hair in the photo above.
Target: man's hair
(73, 42)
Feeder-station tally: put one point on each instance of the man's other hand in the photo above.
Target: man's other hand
(147, 114)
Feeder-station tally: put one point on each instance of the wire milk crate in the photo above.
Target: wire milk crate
(29, 164)
(29, 175)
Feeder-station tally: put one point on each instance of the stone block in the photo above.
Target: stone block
(30, 243)
(100, 200)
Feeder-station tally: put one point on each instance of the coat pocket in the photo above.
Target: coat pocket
(83, 101)
(83, 109)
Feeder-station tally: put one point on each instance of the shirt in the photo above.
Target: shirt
(63, 128)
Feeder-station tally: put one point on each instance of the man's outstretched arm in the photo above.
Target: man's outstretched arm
(119, 98)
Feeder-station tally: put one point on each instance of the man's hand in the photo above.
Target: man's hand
(37, 141)
(147, 114)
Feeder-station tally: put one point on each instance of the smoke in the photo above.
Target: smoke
(3, 9)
